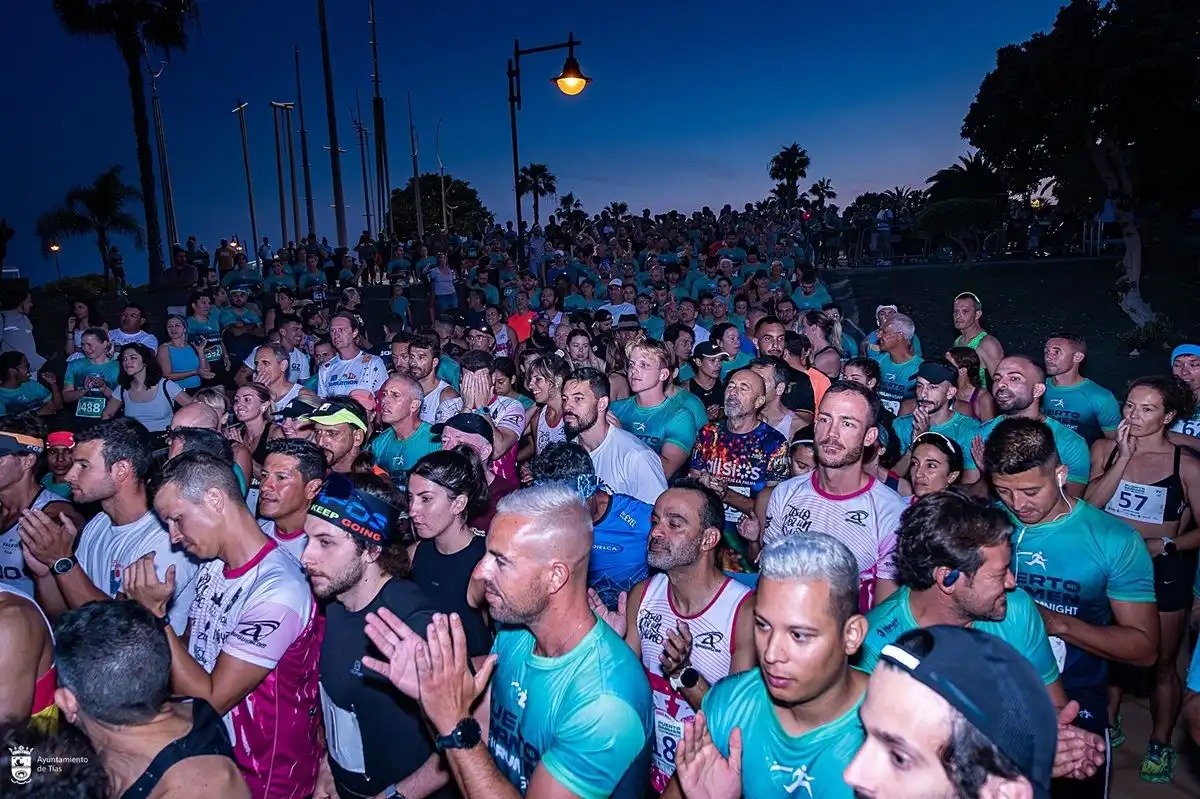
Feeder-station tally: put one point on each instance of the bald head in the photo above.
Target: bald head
(1032, 370)
(197, 415)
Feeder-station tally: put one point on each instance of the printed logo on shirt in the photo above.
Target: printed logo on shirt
(255, 632)
(710, 640)
(650, 626)
(858, 517)
(799, 778)
(114, 578)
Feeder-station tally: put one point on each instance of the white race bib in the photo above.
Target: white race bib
(1139, 503)
(1059, 647)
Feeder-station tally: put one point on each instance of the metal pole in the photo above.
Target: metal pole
(291, 150)
(335, 155)
(58, 266)
(514, 102)
(362, 132)
(241, 112)
(304, 161)
(275, 109)
(437, 148)
(382, 173)
(160, 136)
(412, 136)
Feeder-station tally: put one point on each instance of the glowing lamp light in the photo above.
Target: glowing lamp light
(55, 247)
(571, 81)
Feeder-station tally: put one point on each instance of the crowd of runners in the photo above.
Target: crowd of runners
(615, 508)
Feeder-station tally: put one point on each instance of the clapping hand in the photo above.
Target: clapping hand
(45, 539)
(677, 650)
(398, 646)
(613, 618)
(448, 689)
(701, 770)
(1079, 753)
(142, 585)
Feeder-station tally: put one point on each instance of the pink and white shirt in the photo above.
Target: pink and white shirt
(865, 521)
(264, 614)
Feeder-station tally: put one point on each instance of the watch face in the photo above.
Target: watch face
(62, 565)
(468, 733)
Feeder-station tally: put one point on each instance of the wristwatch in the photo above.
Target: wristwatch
(1168, 546)
(393, 792)
(465, 735)
(63, 565)
(685, 679)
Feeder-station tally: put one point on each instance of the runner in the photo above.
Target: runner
(1152, 484)
(22, 441)
(291, 477)
(75, 566)
(690, 624)
(506, 415)
(26, 660)
(898, 363)
(622, 461)
(950, 702)
(340, 429)
(1090, 573)
(839, 497)
(441, 400)
(935, 465)
(662, 425)
(934, 412)
(1072, 399)
(776, 376)
(377, 741)
(472, 431)
(705, 382)
(546, 378)
(973, 399)
(271, 370)
(587, 733)
(254, 635)
(1185, 365)
(620, 523)
(796, 714)
(406, 438)
(352, 368)
(1018, 388)
(967, 316)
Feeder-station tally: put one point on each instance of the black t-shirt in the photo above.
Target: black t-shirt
(376, 736)
(710, 397)
(799, 396)
(445, 579)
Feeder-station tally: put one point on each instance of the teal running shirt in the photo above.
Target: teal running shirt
(669, 422)
(898, 380)
(1087, 408)
(397, 456)
(961, 429)
(1072, 449)
(586, 716)
(1021, 627)
(774, 763)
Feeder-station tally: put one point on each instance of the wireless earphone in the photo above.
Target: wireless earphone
(950, 578)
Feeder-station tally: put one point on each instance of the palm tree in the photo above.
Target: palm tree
(973, 176)
(617, 209)
(789, 166)
(538, 180)
(568, 204)
(821, 191)
(97, 208)
(136, 26)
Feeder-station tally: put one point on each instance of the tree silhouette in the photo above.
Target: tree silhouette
(136, 26)
(538, 181)
(97, 209)
(469, 212)
(789, 166)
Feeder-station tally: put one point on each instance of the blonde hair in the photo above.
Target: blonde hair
(214, 398)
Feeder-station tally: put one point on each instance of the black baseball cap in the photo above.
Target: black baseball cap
(938, 371)
(993, 686)
(482, 328)
(298, 408)
(710, 349)
(467, 423)
(628, 322)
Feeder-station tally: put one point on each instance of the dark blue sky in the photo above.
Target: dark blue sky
(689, 102)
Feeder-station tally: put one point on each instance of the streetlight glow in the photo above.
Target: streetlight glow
(55, 247)
(571, 81)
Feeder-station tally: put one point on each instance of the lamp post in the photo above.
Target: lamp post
(335, 152)
(305, 165)
(570, 81)
(277, 109)
(241, 112)
(160, 138)
(54, 248)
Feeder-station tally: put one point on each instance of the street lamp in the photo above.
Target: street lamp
(54, 248)
(570, 81)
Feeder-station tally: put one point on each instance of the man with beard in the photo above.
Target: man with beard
(776, 375)
(622, 461)
(292, 474)
(439, 400)
(1086, 407)
(770, 340)
(690, 624)
(378, 744)
(587, 729)
(796, 714)
(934, 413)
(340, 428)
(1018, 388)
(740, 455)
(840, 496)
(407, 437)
(398, 350)
(954, 558)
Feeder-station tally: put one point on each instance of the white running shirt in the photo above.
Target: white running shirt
(293, 544)
(299, 367)
(628, 466)
(339, 376)
(12, 560)
(866, 522)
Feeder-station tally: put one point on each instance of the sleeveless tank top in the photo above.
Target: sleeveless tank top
(1156, 503)
(545, 435)
(974, 344)
(784, 425)
(12, 562)
(429, 404)
(503, 348)
(712, 654)
(44, 715)
(207, 737)
(283, 401)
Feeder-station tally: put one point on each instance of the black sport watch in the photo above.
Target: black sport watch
(465, 735)
(685, 679)
(63, 565)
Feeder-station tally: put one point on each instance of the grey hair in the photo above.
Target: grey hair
(553, 507)
(408, 384)
(279, 351)
(903, 325)
(815, 556)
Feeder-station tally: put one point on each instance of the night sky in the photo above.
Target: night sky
(688, 105)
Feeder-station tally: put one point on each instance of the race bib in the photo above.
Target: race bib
(1059, 647)
(1139, 503)
(668, 733)
(891, 405)
(318, 294)
(91, 406)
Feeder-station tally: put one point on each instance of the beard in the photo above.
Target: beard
(843, 457)
(340, 583)
(579, 424)
(1007, 401)
(671, 558)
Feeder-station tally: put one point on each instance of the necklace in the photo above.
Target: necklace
(568, 638)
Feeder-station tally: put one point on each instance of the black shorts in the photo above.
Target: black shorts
(1172, 582)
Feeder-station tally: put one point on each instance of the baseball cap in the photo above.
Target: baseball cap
(627, 322)
(467, 423)
(760, 273)
(616, 281)
(881, 308)
(937, 371)
(61, 438)
(19, 444)
(298, 408)
(340, 411)
(660, 285)
(992, 685)
(710, 349)
(1186, 349)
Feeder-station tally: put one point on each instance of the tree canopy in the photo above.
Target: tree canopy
(465, 210)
